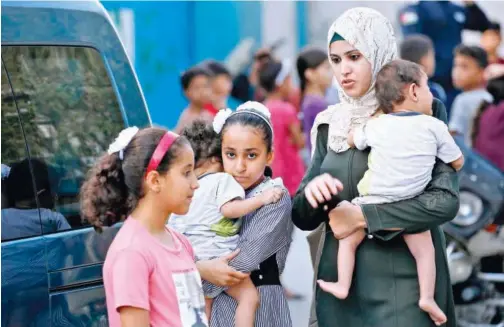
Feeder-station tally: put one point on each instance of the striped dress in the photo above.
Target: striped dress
(265, 233)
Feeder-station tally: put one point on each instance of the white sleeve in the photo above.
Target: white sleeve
(447, 150)
(228, 189)
(360, 139)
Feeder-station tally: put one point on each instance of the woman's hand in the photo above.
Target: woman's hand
(218, 272)
(321, 189)
(346, 219)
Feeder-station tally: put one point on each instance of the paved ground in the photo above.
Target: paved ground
(298, 278)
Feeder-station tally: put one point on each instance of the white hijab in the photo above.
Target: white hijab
(372, 34)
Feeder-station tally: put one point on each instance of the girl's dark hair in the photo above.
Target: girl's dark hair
(309, 58)
(114, 186)
(267, 75)
(205, 142)
(245, 118)
(496, 88)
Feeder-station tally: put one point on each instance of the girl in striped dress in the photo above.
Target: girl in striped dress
(265, 236)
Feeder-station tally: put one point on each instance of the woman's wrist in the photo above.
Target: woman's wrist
(363, 222)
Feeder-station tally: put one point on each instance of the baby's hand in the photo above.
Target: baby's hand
(272, 195)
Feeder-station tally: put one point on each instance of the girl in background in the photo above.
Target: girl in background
(315, 77)
(275, 79)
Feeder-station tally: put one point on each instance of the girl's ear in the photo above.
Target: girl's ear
(308, 74)
(270, 157)
(152, 181)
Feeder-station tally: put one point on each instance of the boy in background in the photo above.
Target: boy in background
(419, 49)
(468, 75)
(196, 85)
(491, 40)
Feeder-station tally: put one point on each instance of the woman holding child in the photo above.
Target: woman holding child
(385, 287)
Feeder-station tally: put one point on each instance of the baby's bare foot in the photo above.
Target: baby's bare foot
(335, 289)
(436, 314)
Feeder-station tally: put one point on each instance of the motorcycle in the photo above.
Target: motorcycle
(475, 244)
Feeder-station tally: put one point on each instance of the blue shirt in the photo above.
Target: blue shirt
(437, 91)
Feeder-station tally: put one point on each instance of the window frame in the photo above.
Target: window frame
(118, 98)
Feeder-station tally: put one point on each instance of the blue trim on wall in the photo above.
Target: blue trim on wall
(302, 26)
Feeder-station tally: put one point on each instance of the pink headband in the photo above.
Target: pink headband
(164, 145)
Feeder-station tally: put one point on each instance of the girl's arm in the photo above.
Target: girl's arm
(240, 208)
(296, 135)
(134, 317)
(270, 230)
(304, 215)
(130, 285)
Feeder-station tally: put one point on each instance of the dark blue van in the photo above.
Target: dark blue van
(68, 88)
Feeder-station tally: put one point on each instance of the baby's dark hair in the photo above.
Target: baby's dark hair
(204, 140)
(113, 186)
(268, 74)
(187, 76)
(474, 52)
(246, 118)
(415, 47)
(392, 80)
(309, 58)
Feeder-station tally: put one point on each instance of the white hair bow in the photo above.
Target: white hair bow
(121, 142)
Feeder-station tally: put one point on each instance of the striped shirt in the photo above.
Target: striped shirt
(265, 232)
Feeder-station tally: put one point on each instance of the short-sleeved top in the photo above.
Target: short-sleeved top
(210, 233)
(464, 109)
(18, 223)
(265, 233)
(142, 272)
(404, 147)
(490, 139)
(311, 106)
(287, 162)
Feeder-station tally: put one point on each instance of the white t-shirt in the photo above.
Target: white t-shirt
(404, 147)
(211, 235)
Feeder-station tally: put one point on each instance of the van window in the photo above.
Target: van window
(20, 215)
(70, 114)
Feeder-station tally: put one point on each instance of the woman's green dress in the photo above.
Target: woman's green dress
(385, 289)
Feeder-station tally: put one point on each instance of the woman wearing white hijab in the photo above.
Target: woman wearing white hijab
(385, 289)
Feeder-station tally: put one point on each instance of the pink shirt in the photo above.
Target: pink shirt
(287, 162)
(142, 272)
